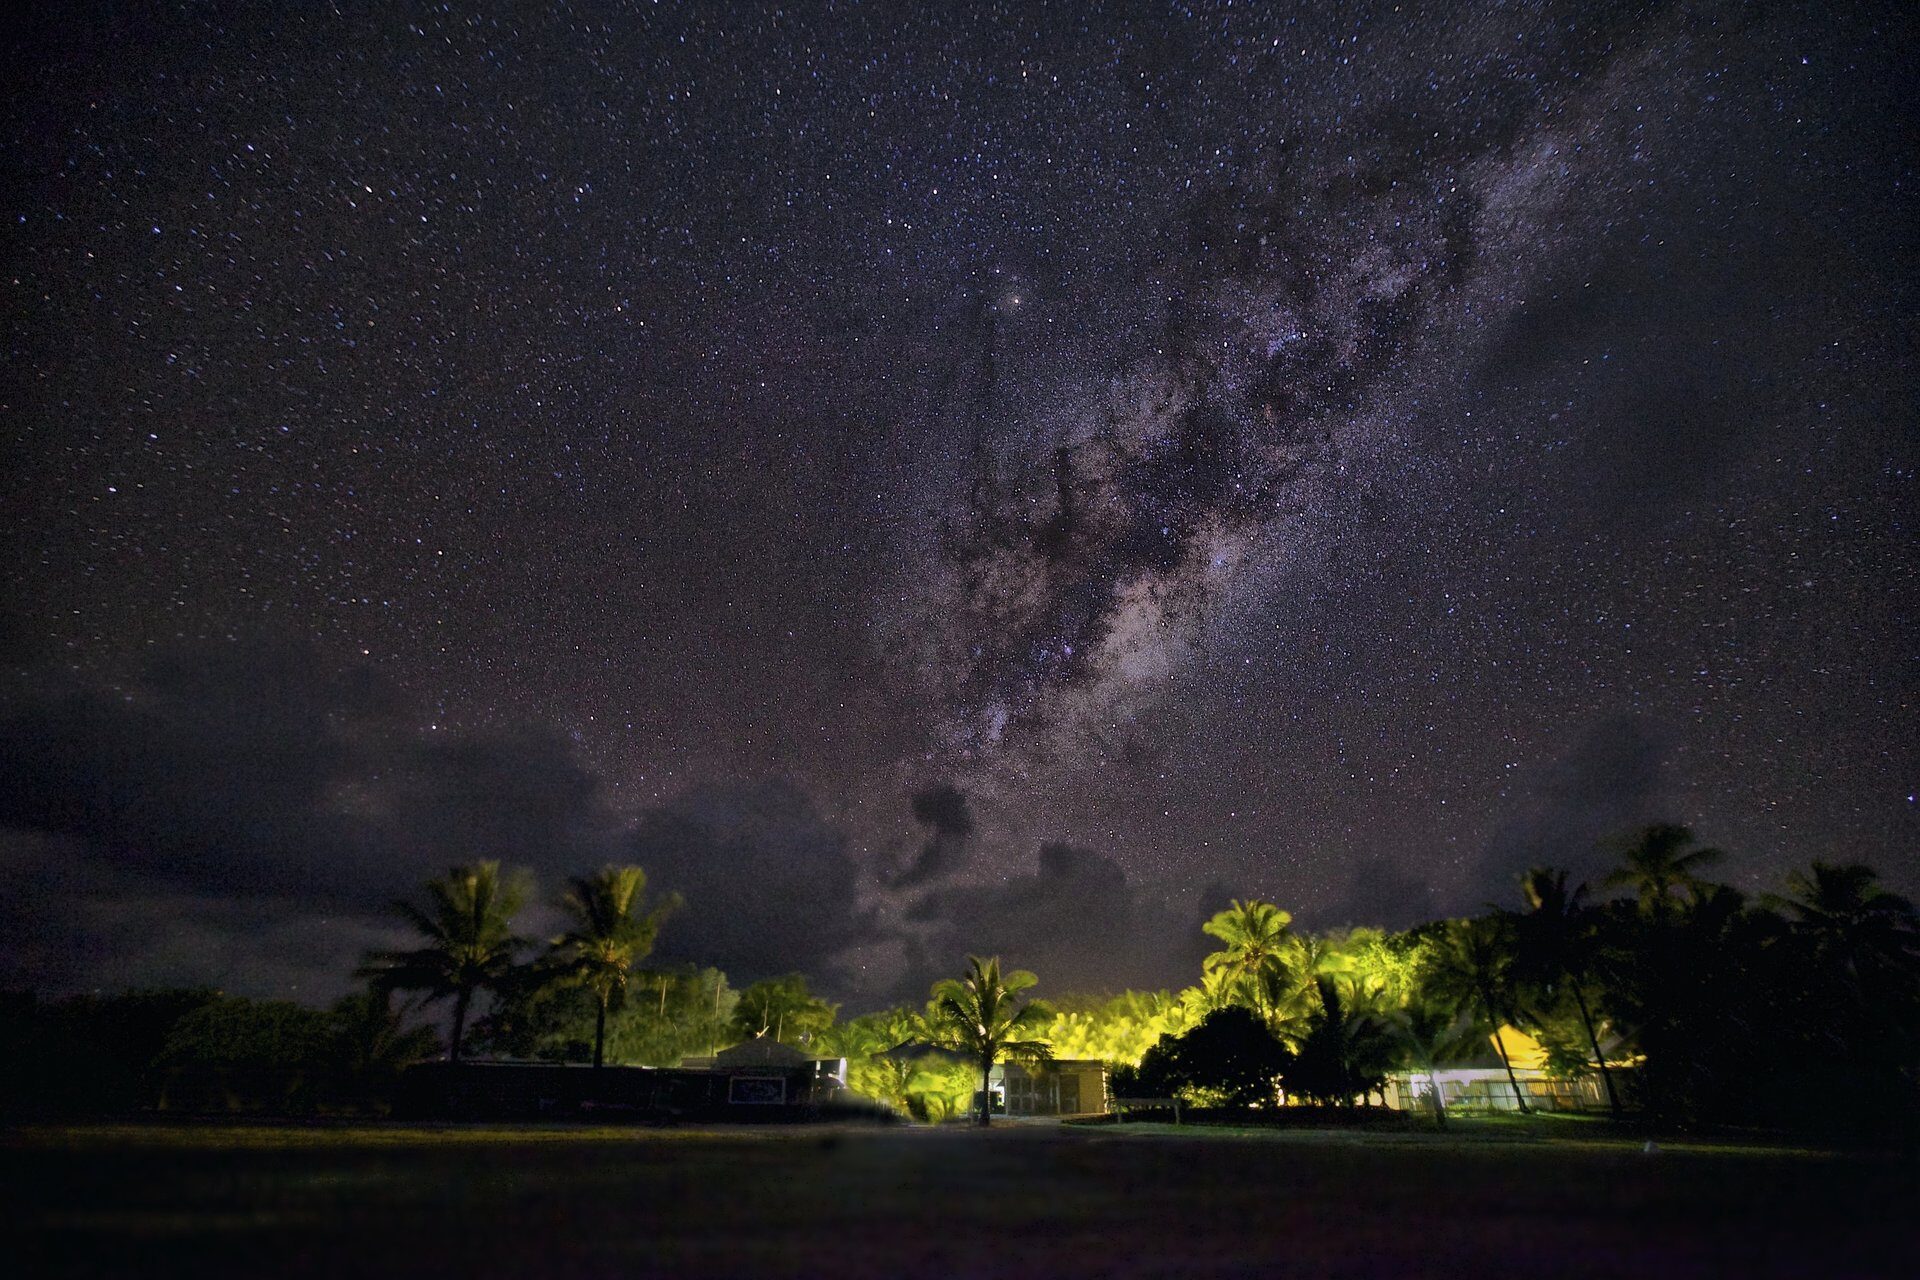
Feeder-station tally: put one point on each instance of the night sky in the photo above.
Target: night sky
(982, 477)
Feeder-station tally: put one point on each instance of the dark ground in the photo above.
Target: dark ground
(1050, 1202)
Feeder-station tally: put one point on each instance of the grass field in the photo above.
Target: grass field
(1530, 1201)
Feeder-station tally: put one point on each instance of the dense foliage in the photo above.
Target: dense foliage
(783, 1008)
(196, 1050)
(666, 1016)
(1691, 1003)
(1231, 1058)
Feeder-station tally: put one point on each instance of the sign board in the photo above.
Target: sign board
(758, 1091)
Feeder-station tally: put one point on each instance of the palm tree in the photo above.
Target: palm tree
(611, 932)
(1256, 937)
(1657, 865)
(879, 1049)
(1554, 939)
(1348, 1051)
(1218, 989)
(1311, 957)
(470, 944)
(1468, 970)
(1856, 929)
(1431, 1032)
(976, 1014)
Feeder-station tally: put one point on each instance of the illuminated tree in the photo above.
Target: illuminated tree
(978, 1015)
(783, 1008)
(872, 1033)
(468, 929)
(611, 932)
(1218, 989)
(1118, 1029)
(878, 1049)
(898, 1064)
(1362, 960)
(1253, 961)
(938, 1087)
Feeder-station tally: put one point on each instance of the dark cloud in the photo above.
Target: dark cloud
(1383, 893)
(75, 921)
(216, 766)
(262, 768)
(769, 884)
(257, 791)
(1076, 921)
(1613, 778)
(266, 807)
(942, 810)
(519, 796)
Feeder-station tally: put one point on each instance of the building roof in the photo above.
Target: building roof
(914, 1050)
(761, 1051)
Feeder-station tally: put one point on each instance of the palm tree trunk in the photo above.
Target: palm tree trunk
(1520, 1099)
(1493, 1015)
(600, 1034)
(1439, 1103)
(1579, 998)
(986, 1091)
(460, 1000)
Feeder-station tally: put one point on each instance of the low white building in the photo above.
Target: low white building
(1481, 1083)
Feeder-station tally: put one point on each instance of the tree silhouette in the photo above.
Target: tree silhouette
(1857, 931)
(1658, 866)
(1468, 968)
(1347, 1052)
(1232, 1053)
(470, 945)
(1432, 1033)
(1555, 940)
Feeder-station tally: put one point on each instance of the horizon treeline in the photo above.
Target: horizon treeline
(1689, 1001)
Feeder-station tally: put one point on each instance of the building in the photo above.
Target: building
(764, 1071)
(1480, 1083)
(758, 1081)
(1065, 1087)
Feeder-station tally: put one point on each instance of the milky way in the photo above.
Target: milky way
(922, 479)
(1290, 317)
